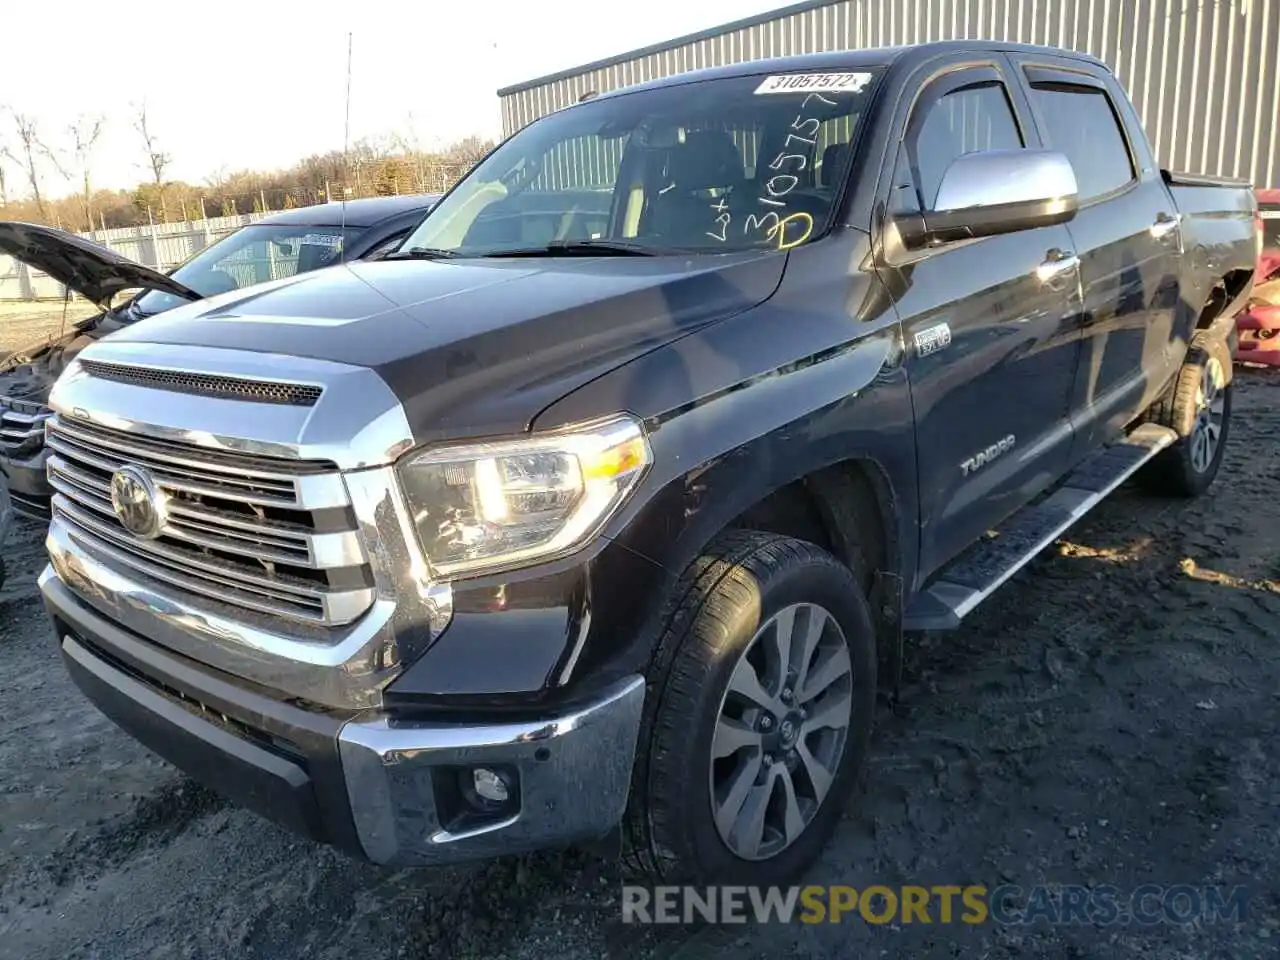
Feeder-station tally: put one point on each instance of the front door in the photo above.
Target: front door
(990, 327)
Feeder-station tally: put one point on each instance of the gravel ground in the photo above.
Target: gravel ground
(1109, 718)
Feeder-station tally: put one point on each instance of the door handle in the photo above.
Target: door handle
(1057, 264)
(1164, 227)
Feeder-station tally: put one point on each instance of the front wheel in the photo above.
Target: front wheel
(761, 698)
(1198, 408)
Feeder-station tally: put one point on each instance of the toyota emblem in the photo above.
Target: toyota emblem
(139, 504)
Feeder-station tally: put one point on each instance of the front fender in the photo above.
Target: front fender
(735, 411)
(720, 456)
(748, 406)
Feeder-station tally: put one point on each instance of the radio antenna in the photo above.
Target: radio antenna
(346, 145)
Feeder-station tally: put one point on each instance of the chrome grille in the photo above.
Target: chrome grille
(270, 536)
(21, 425)
(231, 388)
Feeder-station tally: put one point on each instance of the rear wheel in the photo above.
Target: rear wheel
(1198, 407)
(761, 698)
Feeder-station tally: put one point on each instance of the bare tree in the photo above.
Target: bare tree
(85, 133)
(157, 159)
(30, 150)
(4, 189)
(407, 141)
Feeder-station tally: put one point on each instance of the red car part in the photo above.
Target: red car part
(1259, 323)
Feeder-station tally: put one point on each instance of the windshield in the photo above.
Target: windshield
(710, 166)
(254, 254)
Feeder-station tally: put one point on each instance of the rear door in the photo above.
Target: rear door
(1127, 237)
(990, 324)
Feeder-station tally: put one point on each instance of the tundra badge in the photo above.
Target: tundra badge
(983, 457)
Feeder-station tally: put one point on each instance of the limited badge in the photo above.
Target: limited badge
(932, 339)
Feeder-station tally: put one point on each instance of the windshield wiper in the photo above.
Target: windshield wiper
(581, 248)
(420, 253)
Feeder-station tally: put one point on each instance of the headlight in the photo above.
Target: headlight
(507, 503)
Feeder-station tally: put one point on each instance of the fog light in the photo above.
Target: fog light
(490, 785)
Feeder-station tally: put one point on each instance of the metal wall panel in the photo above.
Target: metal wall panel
(1203, 74)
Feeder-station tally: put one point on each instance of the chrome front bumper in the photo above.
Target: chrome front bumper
(372, 785)
(572, 774)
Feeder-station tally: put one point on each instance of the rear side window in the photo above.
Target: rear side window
(1082, 123)
(963, 121)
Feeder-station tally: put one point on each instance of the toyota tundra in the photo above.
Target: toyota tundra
(603, 508)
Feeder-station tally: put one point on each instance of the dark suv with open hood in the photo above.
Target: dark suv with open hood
(276, 247)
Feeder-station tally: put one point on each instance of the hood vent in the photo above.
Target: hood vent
(208, 385)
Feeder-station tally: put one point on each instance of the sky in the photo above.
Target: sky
(237, 85)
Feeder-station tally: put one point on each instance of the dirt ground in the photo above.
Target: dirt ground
(1111, 717)
(23, 324)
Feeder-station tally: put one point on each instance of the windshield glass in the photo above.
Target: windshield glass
(711, 166)
(254, 254)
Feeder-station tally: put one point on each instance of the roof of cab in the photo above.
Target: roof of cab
(845, 60)
(359, 213)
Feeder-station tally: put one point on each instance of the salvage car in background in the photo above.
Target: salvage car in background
(278, 246)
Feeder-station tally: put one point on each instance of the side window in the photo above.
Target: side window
(966, 120)
(1081, 122)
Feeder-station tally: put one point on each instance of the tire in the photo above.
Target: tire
(731, 602)
(1197, 406)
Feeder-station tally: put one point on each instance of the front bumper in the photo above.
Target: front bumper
(28, 484)
(373, 784)
(570, 772)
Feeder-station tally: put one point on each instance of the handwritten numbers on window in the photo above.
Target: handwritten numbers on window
(787, 230)
(723, 220)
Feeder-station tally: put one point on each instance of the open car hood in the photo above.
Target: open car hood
(92, 271)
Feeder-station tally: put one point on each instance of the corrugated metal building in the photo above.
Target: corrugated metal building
(1204, 74)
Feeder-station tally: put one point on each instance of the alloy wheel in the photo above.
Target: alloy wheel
(781, 731)
(1206, 434)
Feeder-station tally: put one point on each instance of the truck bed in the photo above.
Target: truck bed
(1219, 235)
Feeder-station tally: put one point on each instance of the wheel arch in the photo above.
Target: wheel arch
(1228, 295)
(852, 508)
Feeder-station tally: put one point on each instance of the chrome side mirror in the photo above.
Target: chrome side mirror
(994, 192)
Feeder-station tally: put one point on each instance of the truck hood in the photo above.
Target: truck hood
(92, 271)
(474, 347)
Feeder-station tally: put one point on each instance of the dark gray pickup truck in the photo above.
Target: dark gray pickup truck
(601, 509)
